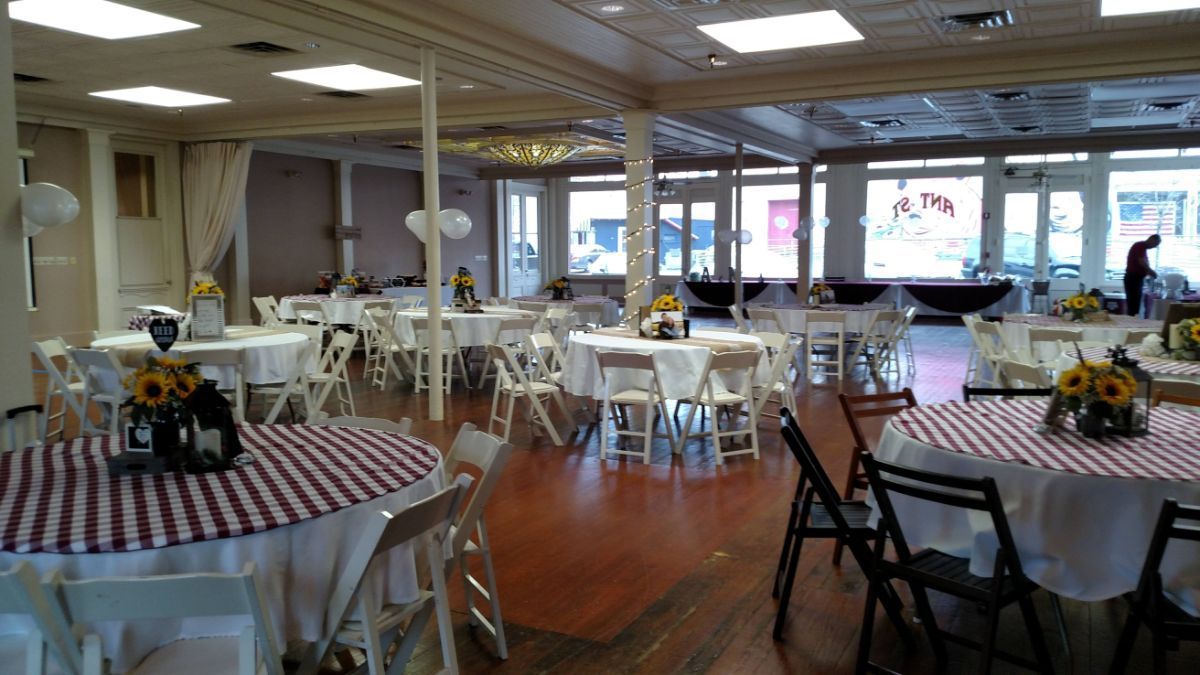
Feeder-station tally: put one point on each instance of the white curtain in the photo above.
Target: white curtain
(214, 186)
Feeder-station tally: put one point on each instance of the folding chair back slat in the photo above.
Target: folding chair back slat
(22, 594)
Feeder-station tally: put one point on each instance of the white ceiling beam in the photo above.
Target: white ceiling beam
(756, 139)
(409, 160)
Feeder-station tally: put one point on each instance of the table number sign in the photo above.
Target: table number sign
(208, 317)
(164, 331)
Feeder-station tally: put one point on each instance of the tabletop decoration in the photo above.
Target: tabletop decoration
(1097, 392)
(560, 289)
(205, 288)
(1130, 421)
(821, 293)
(664, 319)
(1185, 340)
(1081, 306)
(157, 407)
(464, 289)
(213, 437)
(345, 286)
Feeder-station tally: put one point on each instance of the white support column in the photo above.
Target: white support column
(14, 336)
(639, 205)
(433, 234)
(343, 213)
(804, 212)
(739, 291)
(100, 178)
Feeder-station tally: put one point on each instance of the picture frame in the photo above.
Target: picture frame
(208, 317)
(139, 438)
(678, 325)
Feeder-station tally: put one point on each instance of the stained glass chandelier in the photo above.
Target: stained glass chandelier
(533, 154)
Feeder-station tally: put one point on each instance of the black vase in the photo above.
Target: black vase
(168, 443)
(1091, 426)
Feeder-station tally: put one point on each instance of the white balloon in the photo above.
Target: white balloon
(415, 222)
(864, 221)
(455, 223)
(31, 228)
(823, 221)
(746, 237)
(48, 205)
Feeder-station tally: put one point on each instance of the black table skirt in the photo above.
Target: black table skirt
(720, 293)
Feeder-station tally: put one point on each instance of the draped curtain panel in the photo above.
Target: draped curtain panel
(214, 186)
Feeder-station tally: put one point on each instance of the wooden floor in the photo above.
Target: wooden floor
(614, 566)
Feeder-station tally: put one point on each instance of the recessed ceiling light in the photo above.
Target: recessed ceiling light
(612, 9)
(1123, 7)
(783, 32)
(717, 63)
(168, 98)
(466, 86)
(312, 45)
(98, 18)
(347, 78)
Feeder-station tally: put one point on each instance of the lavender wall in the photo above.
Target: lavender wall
(382, 197)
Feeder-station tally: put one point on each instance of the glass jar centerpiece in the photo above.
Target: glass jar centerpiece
(1099, 394)
(160, 390)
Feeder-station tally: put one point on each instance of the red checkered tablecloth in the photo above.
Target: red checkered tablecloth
(60, 499)
(1004, 431)
(1154, 366)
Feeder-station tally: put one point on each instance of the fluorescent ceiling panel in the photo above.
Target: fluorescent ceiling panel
(348, 78)
(891, 106)
(783, 32)
(918, 132)
(161, 96)
(1174, 87)
(98, 18)
(1124, 7)
(1150, 119)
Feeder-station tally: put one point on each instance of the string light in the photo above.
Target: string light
(645, 231)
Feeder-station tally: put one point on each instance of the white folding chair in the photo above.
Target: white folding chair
(905, 339)
(355, 621)
(365, 328)
(992, 351)
(50, 628)
(311, 312)
(177, 596)
(545, 361)
(876, 347)
(388, 347)
(268, 310)
(1023, 375)
(104, 378)
(510, 331)
(487, 455)
(555, 320)
(332, 374)
(738, 320)
(512, 384)
(310, 354)
(493, 302)
(402, 427)
(1044, 345)
(1135, 337)
(714, 395)
(826, 344)
(764, 319)
(589, 315)
(780, 387)
(66, 383)
(974, 356)
(450, 355)
(230, 361)
(410, 302)
(648, 394)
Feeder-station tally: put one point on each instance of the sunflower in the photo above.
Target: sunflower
(152, 389)
(1112, 389)
(1077, 302)
(559, 283)
(183, 384)
(1195, 332)
(1093, 302)
(1075, 381)
(466, 281)
(168, 363)
(454, 280)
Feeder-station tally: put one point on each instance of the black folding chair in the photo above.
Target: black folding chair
(1168, 623)
(932, 569)
(829, 517)
(1005, 392)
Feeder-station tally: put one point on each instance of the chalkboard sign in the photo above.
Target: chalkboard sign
(164, 331)
(208, 317)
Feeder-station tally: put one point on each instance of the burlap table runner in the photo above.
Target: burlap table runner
(718, 346)
(133, 354)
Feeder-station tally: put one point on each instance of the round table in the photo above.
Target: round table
(1081, 511)
(1169, 369)
(858, 317)
(609, 315)
(679, 363)
(471, 330)
(346, 311)
(295, 512)
(1113, 331)
(268, 355)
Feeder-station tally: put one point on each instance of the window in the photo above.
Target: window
(929, 163)
(921, 227)
(135, 185)
(1038, 159)
(1166, 203)
(597, 221)
(770, 213)
(704, 216)
(612, 177)
(670, 238)
(1160, 153)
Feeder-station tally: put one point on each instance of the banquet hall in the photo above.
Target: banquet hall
(791, 336)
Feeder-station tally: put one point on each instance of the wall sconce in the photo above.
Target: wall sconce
(464, 193)
(292, 173)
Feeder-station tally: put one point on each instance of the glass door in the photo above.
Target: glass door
(524, 217)
(1043, 231)
(685, 233)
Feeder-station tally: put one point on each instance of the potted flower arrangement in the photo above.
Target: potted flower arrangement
(205, 288)
(559, 288)
(1080, 305)
(820, 293)
(464, 288)
(1097, 392)
(160, 388)
(347, 286)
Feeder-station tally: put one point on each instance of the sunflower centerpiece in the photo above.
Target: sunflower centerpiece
(346, 286)
(1080, 306)
(1098, 392)
(820, 293)
(560, 288)
(665, 318)
(1185, 340)
(464, 288)
(160, 388)
(205, 288)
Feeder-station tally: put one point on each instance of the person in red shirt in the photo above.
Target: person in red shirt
(1137, 268)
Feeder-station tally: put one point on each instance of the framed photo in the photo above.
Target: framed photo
(208, 317)
(139, 438)
(664, 325)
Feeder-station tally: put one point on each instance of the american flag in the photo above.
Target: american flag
(1140, 220)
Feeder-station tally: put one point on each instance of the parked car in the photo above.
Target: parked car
(1020, 256)
(608, 263)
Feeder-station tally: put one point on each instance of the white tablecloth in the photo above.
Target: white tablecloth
(1016, 330)
(267, 356)
(857, 316)
(471, 330)
(609, 316)
(297, 564)
(341, 310)
(679, 365)
(423, 291)
(1081, 536)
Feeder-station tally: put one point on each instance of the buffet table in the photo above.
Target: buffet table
(719, 294)
(933, 298)
(1081, 511)
(296, 512)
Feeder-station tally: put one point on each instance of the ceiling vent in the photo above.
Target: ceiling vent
(342, 94)
(262, 48)
(975, 21)
(1008, 96)
(1026, 128)
(886, 123)
(1165, 106)
(22, 77)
